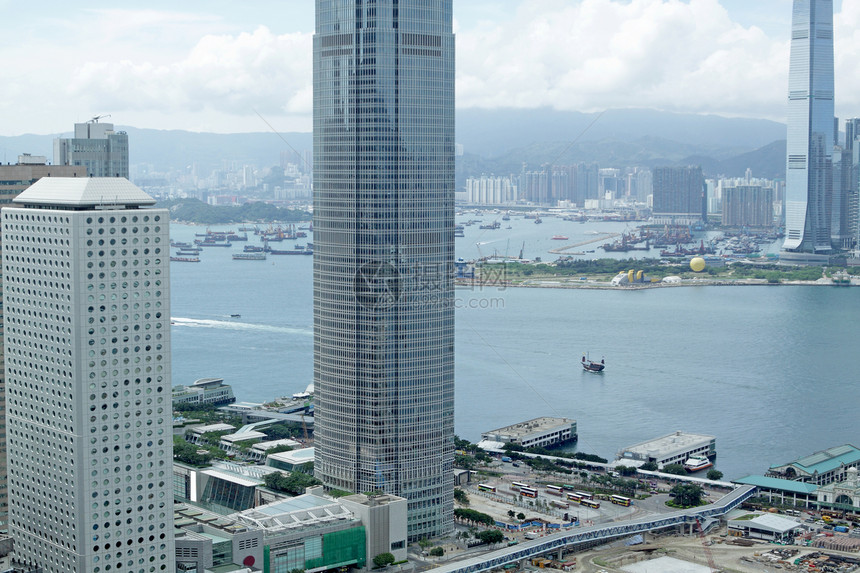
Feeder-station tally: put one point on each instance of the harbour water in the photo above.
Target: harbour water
(772, 372)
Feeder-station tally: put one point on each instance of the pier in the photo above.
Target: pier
(601, 237)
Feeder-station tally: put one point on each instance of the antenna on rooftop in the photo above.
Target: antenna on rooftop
(96, 118)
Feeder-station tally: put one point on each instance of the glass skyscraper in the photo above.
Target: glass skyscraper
(384, 252)
(809, 180)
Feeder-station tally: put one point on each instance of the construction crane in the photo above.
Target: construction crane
(711, 564)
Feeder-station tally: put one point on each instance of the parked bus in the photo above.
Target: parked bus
(574, 498)
(568, 487)
(560, 504)
(554, 489)
(486, 487)
(585, 495)
(590, 503)
(518, 484)
(528, 492)
(620, 500)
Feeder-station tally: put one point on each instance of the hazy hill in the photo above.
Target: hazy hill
(495, 141)
(495, 132)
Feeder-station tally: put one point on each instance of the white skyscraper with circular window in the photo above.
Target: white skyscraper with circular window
(87, 343)
(384, 253)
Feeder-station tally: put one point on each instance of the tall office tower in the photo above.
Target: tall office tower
(384, 252)
(809, 183)
(679, 195)
(87, 344)
(13, 180)
(103, 151)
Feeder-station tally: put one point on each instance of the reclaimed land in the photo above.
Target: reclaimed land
(598, 274)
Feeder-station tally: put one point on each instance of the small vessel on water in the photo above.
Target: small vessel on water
(185, 259)
(591, 366)
(697, 463)
(560, 238)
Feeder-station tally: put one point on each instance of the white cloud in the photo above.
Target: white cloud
(222, 73)
(598, 54)
(196, 69)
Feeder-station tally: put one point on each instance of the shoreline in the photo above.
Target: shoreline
(588, 285)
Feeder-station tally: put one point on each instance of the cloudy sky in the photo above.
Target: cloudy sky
(213, 65)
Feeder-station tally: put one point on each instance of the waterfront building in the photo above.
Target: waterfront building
(842, 495)
(747, 206)
(384, 253)
(540, 432)
(89, 434)
(13, 180)
(679, 196)
(309, 532)
(809, 182)
(204, 391)
(96, 146)
(782, 491)
(672, 448)
(820, 468)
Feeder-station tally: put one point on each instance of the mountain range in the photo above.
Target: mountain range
(494, 142)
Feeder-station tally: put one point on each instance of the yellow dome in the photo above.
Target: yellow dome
(697, 264)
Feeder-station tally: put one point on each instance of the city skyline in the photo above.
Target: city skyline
(384, 254)
(210, 67)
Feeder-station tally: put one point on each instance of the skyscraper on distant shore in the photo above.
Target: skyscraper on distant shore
(103, 151)
(679, 196)
(87, 348)
(809, 180)
(384, 252)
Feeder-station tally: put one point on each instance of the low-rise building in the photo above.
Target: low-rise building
(766, 526)
(820, 468)
(672, 448)
(311, 532)
(540, 432)
(782, 491)
(293, 460)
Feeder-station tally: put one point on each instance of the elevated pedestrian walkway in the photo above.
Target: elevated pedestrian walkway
(599, 533)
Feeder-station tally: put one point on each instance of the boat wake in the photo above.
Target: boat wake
(240, 326)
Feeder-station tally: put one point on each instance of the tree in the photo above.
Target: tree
(437, 552)
(491, 536)
(472, 515)
(294, 483)
(649, 466)
(677, 469)
(511, 513)
(383, 560)
(715, 475)
(460, 496)
(625, 470)
(687, 495)
(521, 516)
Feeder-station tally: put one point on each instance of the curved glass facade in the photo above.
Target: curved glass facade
(809, 180)
(384, 252)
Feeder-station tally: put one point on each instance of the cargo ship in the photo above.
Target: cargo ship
(249, 256)
(185, 259)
